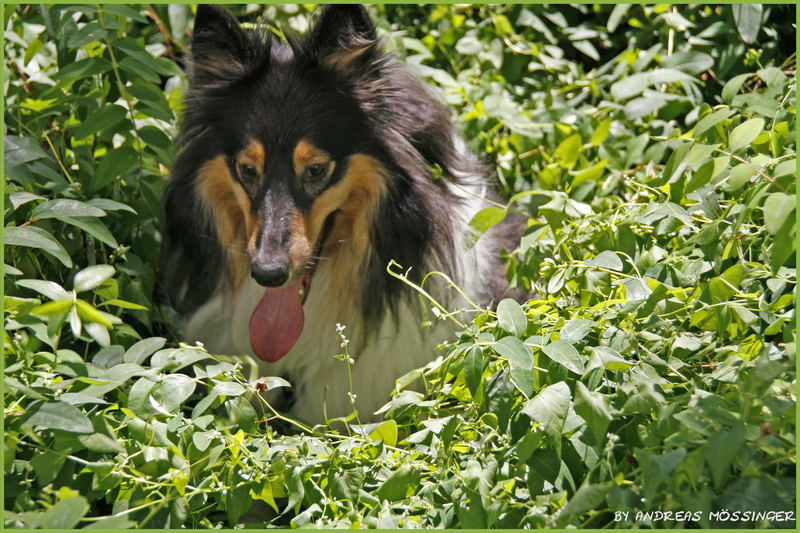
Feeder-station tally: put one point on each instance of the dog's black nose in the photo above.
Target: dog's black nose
(269, 275)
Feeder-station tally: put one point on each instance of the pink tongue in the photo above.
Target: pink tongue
(277, 322)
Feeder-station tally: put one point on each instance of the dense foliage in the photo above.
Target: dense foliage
(649, 381)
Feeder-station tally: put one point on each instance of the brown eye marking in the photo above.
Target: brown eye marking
(250, 162)
(312, 165)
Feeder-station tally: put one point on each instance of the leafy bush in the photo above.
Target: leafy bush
(649, 381)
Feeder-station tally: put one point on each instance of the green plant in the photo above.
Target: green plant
(649, 381)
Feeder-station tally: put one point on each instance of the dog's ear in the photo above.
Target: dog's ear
(221, 50)
(343, 37)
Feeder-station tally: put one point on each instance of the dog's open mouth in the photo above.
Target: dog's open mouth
(277, 321)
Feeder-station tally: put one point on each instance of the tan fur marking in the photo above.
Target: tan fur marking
(301, 246)
(253, 155)
(306, 154)
(357, 197)
(252, 240)
(229, 206)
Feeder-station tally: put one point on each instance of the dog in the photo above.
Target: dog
(304, 168)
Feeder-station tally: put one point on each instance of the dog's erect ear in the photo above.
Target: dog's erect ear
(343, 37)
(221, 50)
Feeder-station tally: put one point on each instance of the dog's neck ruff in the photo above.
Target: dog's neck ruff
(278, 319)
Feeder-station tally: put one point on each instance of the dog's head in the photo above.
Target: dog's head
(288, 152)
(278, 158)
(291, 143)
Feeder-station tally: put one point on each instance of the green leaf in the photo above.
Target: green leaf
(565, 354)
(101, 443)
(602, 130)
(594, 172)
(273, 382)
(692, 62)
(90, 314)
(732, 88)
(61, 416)
(587, 498)
(511, 317)
(772, 76)
(175, 359)
(399, 484)
(777, 209)
(228, 388)
(606, 259)
(514, 351)
(93, 227)
(34, 237)
(65, 514)
(549, 409)
(238, 501)
(473, 369)
(635, 84)
(594, 408)
(724, 286)
(707, 172)
(47, 464)
(676, 164)
(567, 152)
(110, 205)
(698, 154)
(91, 31)
(83, 68)
(22, 197)
(616, 16)
(114, 164)
(201, 439)
(611, 358)
(102, 119)
(748, 21)
(123, 304)
(156, 105)
(51, 289)
(386, 432)
(745, 133)
(586, 47)
(739, 177)
(65, 208)
(523, 378)
(139, 398)
(575, 330)
(710, 120)
(143, 349)
(145, 70)
(92, 277)
(656, 468)
(486, 218)
(20, 150)
(173, 390)
(52, 308)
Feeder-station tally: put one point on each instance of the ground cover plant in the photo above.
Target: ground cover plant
(649, 381)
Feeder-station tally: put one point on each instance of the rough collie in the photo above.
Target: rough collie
(304, 168)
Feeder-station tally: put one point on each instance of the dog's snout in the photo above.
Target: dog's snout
(270, 274)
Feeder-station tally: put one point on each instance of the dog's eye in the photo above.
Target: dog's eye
(247, 172)
(316, 172)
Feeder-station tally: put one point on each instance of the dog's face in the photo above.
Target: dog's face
(289, 164)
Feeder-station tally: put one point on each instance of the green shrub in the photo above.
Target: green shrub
(649, 381)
